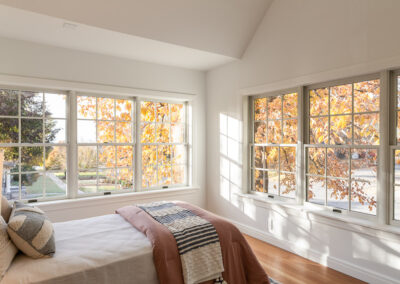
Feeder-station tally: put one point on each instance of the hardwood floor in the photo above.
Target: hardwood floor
(288, 268)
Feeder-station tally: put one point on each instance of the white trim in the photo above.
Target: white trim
(91, 88)
(95, 201)
(327, 75)
(319, 215)
(313, 255)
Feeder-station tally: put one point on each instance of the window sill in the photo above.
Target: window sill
(343, 222)
(93, 201)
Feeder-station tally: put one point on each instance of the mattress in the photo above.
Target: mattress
(104, 249)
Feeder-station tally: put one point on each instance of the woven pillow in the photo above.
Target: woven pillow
(7, 249)
(31, 231)
(6, 209)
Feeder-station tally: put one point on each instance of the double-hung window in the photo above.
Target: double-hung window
(163, 144)
(343, 142)
(274, 144)
(105, 132)
(33, 138)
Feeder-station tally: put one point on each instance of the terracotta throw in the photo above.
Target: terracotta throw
(239, 262)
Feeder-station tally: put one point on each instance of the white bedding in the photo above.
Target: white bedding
(104, 249)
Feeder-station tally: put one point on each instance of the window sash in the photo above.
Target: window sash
(252, 144)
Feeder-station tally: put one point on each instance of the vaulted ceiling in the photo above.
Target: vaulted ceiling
(198, 34)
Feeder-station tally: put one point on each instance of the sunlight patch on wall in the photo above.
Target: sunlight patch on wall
(230, 141)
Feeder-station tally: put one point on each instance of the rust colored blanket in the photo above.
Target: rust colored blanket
(240, 263)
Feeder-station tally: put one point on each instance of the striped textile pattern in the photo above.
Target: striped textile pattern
(196, 239)
(31, 231)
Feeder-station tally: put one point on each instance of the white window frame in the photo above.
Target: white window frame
(395, 80)
(139, 144)
(387, 132)
(71, 142)
(96, 144)
(43, 144)
(297, 146)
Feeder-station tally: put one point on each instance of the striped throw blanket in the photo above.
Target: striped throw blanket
(196, 239)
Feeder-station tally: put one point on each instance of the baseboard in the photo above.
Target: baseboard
(340, 265)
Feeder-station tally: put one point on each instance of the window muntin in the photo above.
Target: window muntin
(33, 137)
(273, 162)
(163, 144)
(342, 155)
(105, 128)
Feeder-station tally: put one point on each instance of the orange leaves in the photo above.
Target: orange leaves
(366, 96)
(274, 108)
(260, 109)
(290, 105)
(105, 109)
(319, 99)
(271, 115)
(86, 107)
(341, 99)
(147, 111)
(123, 110)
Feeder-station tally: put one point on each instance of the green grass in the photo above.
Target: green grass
(37, 187)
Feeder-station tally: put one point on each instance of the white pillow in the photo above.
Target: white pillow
(7, 249)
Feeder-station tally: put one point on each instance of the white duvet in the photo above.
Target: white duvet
(104, 249)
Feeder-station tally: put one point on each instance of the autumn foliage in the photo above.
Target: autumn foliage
(338, 115)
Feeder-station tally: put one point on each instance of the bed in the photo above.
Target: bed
(104, 249)
(132, 247)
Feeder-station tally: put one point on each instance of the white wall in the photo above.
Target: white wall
(302, 42)
(34, 60)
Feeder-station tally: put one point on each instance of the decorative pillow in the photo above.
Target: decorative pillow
(6, 209)
(7, 249)
(31, 231)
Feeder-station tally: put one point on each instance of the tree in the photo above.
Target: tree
(165, 116)
(31, 129)
(337, 102)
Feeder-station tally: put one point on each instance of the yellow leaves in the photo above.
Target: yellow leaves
(123, 110)
(162, 135)
(274, 108)
(107, 156)
(86, 107)
(260, 109)
(366, 96)
(105, 131)
(147, 111)
(105, 109)
(341, 99)
(319, 102)
(290, 105)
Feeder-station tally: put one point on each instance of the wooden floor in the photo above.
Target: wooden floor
(288, 268)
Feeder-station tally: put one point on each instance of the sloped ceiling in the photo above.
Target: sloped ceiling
(216, 31)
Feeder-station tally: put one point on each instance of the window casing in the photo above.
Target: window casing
(92, 143)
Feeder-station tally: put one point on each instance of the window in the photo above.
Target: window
(116, 144)
(396, 183)
(342, 153)
(105, 129)
(163, 144)
(274, 137)
(33, 137)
